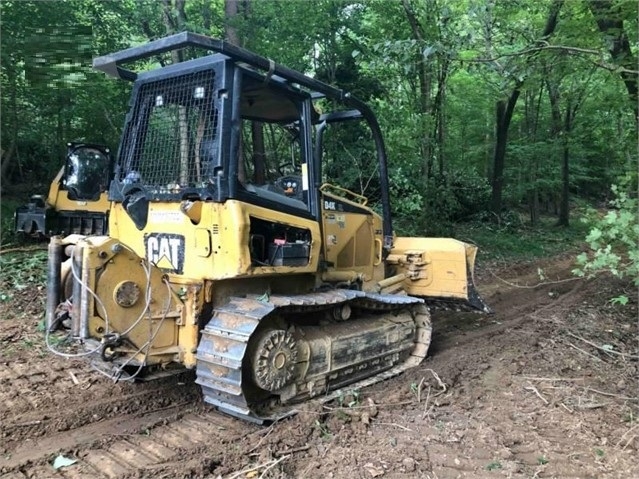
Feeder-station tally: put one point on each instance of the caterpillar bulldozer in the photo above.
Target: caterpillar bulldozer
(77, 202)
(233, 248)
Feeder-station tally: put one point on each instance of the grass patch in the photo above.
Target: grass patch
(523, 242)
(19, 270)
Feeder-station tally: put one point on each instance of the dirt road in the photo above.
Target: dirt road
(545, 387)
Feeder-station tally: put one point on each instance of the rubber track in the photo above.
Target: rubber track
(225, 339)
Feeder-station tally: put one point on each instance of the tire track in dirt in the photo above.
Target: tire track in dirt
(452, 330)
(53, 405)
(112, 449)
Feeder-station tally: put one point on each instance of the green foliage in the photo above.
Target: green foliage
(18, 271)
(349, 399)
(514, 239)
(614, 241)
(8, 207)
(620, 300)
(49, 93)
(322, 429)
(442, 200)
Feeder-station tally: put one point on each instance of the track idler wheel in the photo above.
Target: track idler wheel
(274, 360)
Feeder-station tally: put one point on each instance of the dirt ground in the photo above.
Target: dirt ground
(545, 387)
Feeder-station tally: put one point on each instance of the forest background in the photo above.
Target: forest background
(507, 122)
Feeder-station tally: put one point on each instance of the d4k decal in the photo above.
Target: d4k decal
(166, 251)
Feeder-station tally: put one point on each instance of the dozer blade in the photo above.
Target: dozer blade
(439, 270)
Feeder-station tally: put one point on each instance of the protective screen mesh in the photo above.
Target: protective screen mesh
(172, 140)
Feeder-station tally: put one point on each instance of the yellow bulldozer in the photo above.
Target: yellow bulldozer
(234, 250)
(77, 202)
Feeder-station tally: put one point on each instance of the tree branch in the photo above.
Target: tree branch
(564, 48)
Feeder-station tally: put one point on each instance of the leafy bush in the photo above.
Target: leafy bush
(453, 197)
(7, 222)
(614, 241)
(18, 271)
(431, 207)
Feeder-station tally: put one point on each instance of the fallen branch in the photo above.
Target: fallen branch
(440, 383)
(331, 443)
(625, 434)
(609, 351)
(427, 410)
(21, 250)
(593, 405)
(28, 423)
(603, 393)
(273, 465)
(293, 450)
(419, 391)
(74, 378)
(542, 283)
(532, 388)
(267, 465)
(531, 378)
(566, 408)
(394, 424)
(585, 352)
(346, 408)
(268, 431)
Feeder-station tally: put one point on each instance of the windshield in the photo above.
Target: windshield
(87, 173)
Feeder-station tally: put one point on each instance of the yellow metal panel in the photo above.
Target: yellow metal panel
(203, 242)
(444, 270)
(227, 225)
(54, 188)
(349, 236)
(123, 286)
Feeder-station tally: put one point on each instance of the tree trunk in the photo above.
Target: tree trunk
(533, 206)
(532, 122)
(611, 26)
(564, 205)
(440, 117)
(174, 21)
(230, 31)
(259, 155)
(425, 85)
(232, 36)
(7, 159)
(9, 155)
(505, 113)
(206, 17)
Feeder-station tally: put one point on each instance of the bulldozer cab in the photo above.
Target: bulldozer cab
(217, 129)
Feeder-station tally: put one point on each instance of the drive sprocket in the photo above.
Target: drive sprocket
(274, 360)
